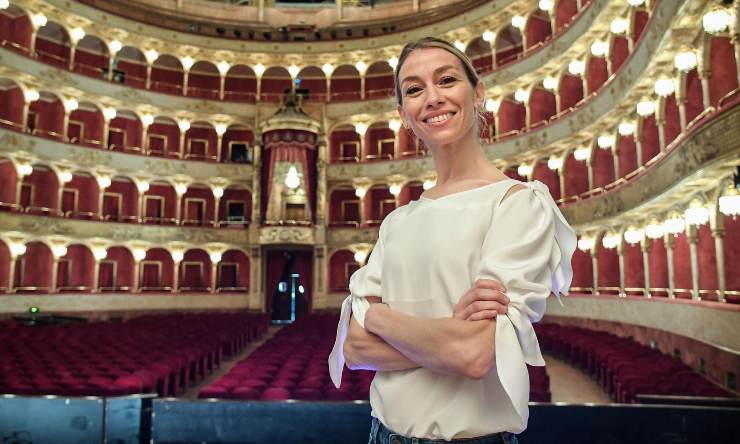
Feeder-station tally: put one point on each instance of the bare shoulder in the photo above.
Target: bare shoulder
(512, 190)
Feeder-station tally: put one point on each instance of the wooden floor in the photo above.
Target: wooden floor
(570, 384)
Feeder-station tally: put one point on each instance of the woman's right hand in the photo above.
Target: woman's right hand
(485, 300)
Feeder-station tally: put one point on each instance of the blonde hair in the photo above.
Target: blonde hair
(433, 42)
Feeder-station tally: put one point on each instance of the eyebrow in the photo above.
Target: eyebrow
(436, 71)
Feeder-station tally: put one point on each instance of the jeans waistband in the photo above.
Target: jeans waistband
(380, 434)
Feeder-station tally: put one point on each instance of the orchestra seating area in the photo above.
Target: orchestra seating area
(624, 367)
(292, 365)
(162, 353)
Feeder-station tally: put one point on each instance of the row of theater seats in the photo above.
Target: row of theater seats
(163, 354)
(624, 367)
(293, 365)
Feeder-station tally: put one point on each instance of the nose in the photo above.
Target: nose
(434, 99)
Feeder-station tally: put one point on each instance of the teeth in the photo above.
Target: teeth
(438, 119)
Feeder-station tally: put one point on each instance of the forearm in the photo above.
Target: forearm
(366, 351)
(445, 345)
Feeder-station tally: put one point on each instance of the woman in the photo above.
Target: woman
(462, 274)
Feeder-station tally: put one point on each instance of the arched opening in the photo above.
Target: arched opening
(46, 117)
(379, 81)
(237, 144)
(198, 206)
(156, 271)
(240, 84)
(344, 144)
(509, 45)
(379, 202)
(159, 205)
(125, 132)
(341, 266)
(120, 201)
(167, 75)
(235, 207)
(204, 81)
(344, 207)
(345, 83)
(276, 81)
(85, 126)
(116, 271)
(129, 67)
(195, 271)
(201, 142)
(163, 138)
(12, 103)
(479, 52)
(80, 197)
(52, 45)
(15, 29)
(313, 80)
(91, 57)
(233, 272)
(380, 142)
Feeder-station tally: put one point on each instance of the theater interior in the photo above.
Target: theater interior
(186, 187)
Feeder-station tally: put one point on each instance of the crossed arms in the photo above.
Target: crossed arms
(461, 345)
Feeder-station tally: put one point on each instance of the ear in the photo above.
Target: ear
(480, 94)
(402, 114)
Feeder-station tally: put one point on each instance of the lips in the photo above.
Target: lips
(439, 119)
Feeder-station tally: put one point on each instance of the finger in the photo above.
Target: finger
(481, 315)
(481, 306)
(490, 284)
(490, 295)
(487, 305)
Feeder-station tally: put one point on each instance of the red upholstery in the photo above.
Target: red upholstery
(154, 353)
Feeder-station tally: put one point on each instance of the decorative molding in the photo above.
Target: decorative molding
(81, 231)
(681, 317)
(488, 15)
(272, 235)
(341, 238)
(86, 158)
(73, 303)
(695, 164)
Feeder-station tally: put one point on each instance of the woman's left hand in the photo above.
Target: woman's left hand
(486, 299)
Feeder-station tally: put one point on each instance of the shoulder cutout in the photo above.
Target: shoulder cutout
(511, 191)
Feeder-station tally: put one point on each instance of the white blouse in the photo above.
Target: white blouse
(428, 254)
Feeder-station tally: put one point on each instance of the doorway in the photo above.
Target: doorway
(288, 284)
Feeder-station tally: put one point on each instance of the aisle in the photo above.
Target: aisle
(192, 392)
(570, 384)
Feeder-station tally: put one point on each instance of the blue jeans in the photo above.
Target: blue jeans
(380, 434)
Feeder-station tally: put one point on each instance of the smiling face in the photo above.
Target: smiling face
(437, 99)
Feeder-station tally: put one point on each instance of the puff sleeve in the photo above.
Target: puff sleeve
(528, 248)
(363, 283)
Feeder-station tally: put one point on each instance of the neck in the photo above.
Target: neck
(461, 160)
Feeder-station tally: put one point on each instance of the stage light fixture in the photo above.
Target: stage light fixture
(599, 48)
(685, 61)
(619, 25)
(577, 67)
(550, 83)
(524, 170)
(645, 108)
(626, 128)
(488, 36)
(555, 163)
(115, 46)
(581, 154)
(664, 87)
(521, 95)
(696, 214)
(518, 21)
(634, 235)
(492, 105)
(610, 241)
(716, 20)
(585, 244)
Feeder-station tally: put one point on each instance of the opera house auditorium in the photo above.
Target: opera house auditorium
(187, 186)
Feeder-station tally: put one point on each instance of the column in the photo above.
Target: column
(615, 157)
(103, 183)
(180, 190)
(328, 88)
(256, 184)
(589, 165)
(184, 126)
(220, 131)
(638, 141)
(595, 271)
(693, 238)
(256, 298)
(682, 100)
(185, 79)
(718, 235)
(670, 241)
(321, 196)
(139, 256)
(72, 51)
(16, 250)
(218, 193)
(704, 76)
(99, 253)
(362, 85)
(221, 86)
(215, 259)
(142, 187)
(64, 177)
(177, 256)
(645, 247)
(620, 256)
(319, 278)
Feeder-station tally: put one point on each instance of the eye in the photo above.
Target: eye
(447, 79)
(412, 90)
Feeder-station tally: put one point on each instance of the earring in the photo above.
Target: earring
(405, 125)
